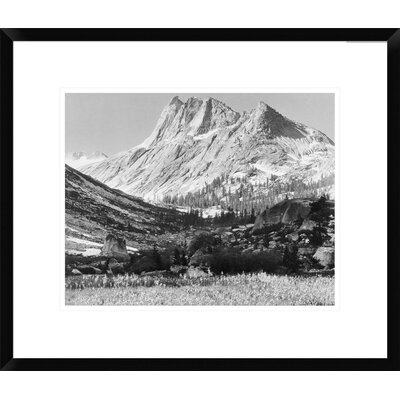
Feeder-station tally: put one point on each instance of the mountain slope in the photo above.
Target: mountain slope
(92, 210)
(200, 140)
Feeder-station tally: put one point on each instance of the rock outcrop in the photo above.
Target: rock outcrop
(286, 212)
(193, 272)
(199, 258)
(307, 225)
(325, 256)
(115, 247)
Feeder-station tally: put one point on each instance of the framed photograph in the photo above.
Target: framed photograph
(199, 199)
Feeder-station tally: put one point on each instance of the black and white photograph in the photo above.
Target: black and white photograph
(194, 188)
(200, 199)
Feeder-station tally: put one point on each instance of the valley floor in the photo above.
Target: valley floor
(246, 289)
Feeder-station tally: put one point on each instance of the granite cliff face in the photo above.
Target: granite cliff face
(200, 140)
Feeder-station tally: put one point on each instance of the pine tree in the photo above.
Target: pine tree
(290, 258)
(156, 256)
(183, 259)
(177, 257)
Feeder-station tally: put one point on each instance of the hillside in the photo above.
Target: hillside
(92, 210)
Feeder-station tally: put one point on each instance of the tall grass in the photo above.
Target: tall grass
(243, 289)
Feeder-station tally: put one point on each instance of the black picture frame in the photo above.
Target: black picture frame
(7, 39)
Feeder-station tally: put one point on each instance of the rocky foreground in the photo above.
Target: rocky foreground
(294, 236)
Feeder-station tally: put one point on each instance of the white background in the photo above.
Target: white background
(341, 13)
(357, 328)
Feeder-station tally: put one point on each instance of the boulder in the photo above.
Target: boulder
(117, 267)
(202, 240)
(293, 209)
(307, 225)
(286, 212)
(325, 256)
(200, 257)
(115, 247)
(178, 269)
(193, 272)
(260, 222)
(330, 240)
(76, 272)
(293, 237)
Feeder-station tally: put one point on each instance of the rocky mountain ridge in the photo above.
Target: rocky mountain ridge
(295, 236)
(197, 141)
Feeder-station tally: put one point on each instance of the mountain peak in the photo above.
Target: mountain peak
(264, 107)
(201, 139)
(208, 101)
(218, 103)
(208, 114)
(264, 114)
(176, 101)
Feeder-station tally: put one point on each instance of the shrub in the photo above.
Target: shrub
(231, 261)
(310, 263)
(290, 258)
(80, 259)
(184, 260)
(318, 205)
(152, 260)
(265, 230)
(203, 240)
(320, 210)
(177, 257)
(299, 220)
(316, 217)
(317, 234)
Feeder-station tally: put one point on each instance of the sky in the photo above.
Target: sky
(114, 122)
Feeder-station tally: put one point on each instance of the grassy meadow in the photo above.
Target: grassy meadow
(257, 289)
